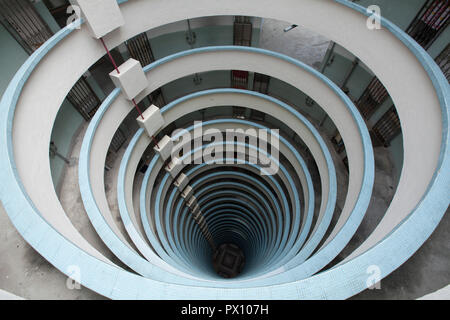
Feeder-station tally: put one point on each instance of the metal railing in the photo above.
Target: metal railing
(21, 19)
(430, 22)
(139, 49)
(83, 98)
(118, 140)
(261, 83)
(371, 99)
(388, 127)
(157, 98)
(242, 31)
(239, 79)
(443, 61)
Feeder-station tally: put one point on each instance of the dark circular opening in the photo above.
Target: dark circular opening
(228, 260)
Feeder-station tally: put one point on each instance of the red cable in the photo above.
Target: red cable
(136, 106)
(109, 55)
(154, 140)
(118, 72)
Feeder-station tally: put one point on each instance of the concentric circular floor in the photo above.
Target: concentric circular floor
(263, 213)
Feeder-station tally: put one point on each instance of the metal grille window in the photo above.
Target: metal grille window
(21, 19)
(239, 112)
(257, 115)
(309, 101)
(83, 98)
(139, 49)
(239, 79)
(338, 142)
(58, 10)
(345, 161)
(374, 95)
(388, 127)
(261, 83)
(443, 61)
(157, 98)
(110, 158)
(430, 22)
(118, 140)
(242, 31)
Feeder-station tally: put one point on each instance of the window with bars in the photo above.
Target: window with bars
(139, 49)
(309, 101)
(157, 98)
(20, 18)
(242, 31)
(261, 83)
(443, 61)
(239, 112)
(239, 79)
(257, 115)
(110, 158)
(23, 22)
(83, 98)
(431, 20)
(374, 95)
(118, 140)
(388, 127)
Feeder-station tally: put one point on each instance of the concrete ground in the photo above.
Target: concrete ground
(427, 271)
(23, 271)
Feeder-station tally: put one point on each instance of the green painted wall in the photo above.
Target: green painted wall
(337, 68)
(12, 57)
(401, 12)
(297, 99)
(67, 123)
(171, 43)
(46, 16)
(440, 43)
(380, 111)
(186, 85)
(396, 151)
(358, 82)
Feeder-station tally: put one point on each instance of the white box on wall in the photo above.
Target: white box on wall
(164, 147)
(192, 202)
(196, 213)
(181, 182)
(174, 167)
(102, 16)
(201, 222)
(187, 192)
(153, 120)
(131, 79)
